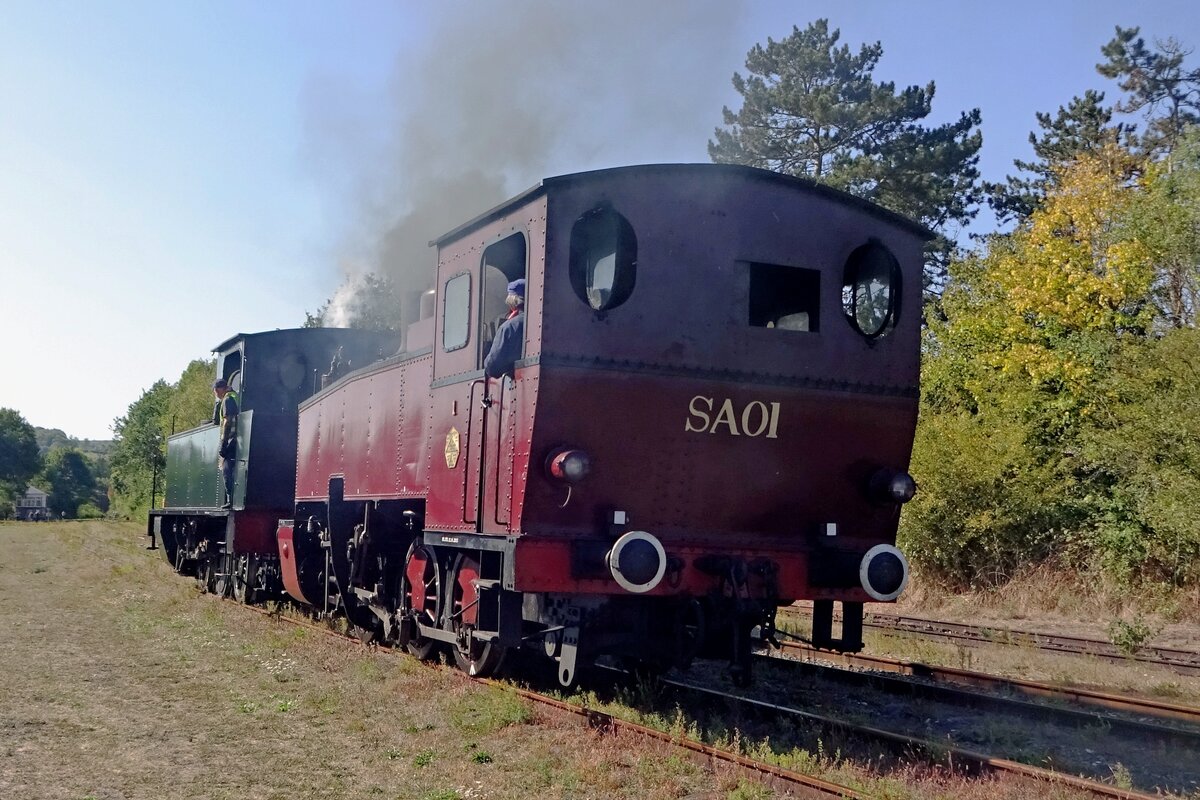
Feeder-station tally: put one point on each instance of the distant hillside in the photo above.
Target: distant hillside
(50, 438)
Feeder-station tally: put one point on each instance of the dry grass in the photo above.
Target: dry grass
(121, 681)
(1053, 599)
(1049, 600)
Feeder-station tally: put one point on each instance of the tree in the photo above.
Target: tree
(19, 460)
(1042, 301)
(1142, 453)
(368, 301)
(191, 401)
(1168, 220)
(812, 109)
(50, 438)
(987, 503)
(1017, 370)
(68, 479)
(139, 450)
(1085, 126)
(1157, 84)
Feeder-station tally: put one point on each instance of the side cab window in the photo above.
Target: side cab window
(503, 262)
(456, 312)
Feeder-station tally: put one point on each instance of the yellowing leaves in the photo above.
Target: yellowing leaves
(1075, 264)
(1075, 269)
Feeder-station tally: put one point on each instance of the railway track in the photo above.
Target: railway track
(795, 783)
(935, 751)
(1184, 662)
(1139, 706)
(1161, 738)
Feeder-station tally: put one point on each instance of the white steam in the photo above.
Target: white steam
(347, 303)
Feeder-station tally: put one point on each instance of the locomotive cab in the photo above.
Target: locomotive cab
(711, 415)
(717, 398)
(271, 373)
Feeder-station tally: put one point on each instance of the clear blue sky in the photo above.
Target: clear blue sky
(174, 173)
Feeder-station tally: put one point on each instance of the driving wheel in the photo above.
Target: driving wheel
(420, 597)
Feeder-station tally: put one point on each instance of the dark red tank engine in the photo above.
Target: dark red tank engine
(712, 417)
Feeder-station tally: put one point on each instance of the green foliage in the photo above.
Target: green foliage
(1157, 83)
(67, 477)
(1085, 126)
(50, 438)
(1122, 777)
(139, 452)
(986, 505)
(1142, 456)
(19, 460)
(1054, 422)
(1168, 220)
(488, 711)
(191, 400)
(745, 790)
(89, 511)
(1129, 637)
(812, 108)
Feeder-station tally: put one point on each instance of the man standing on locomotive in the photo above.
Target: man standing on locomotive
(225, 414)
(510, 338)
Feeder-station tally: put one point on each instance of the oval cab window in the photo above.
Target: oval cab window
(603, 258)
(871, 289)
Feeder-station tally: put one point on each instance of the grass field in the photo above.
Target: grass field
(118, 679)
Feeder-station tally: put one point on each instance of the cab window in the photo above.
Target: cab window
(456, 312)
(871, 289)
(785, 298)
(603, 262)
(503, 262)
(231, 370)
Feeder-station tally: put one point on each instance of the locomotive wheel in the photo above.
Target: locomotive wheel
(239, 580)
(209, 572)
(242, 578)
(420, 596)
(481, 659)
(222, 568)
(474, 657)
(178, 552)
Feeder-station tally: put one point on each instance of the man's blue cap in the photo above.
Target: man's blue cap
(220, 383)
(517, 287)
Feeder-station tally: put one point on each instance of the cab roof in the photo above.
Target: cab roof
(668, 170)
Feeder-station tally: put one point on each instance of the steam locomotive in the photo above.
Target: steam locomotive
(712, 417)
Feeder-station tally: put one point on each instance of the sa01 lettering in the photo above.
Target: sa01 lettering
(756, 418)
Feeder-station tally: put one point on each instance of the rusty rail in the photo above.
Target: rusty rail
(962, 757)
(951, 675)
(1185, 662)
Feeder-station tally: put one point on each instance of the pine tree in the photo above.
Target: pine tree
(1084, 126)
(812, 108)
(1158, 85)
